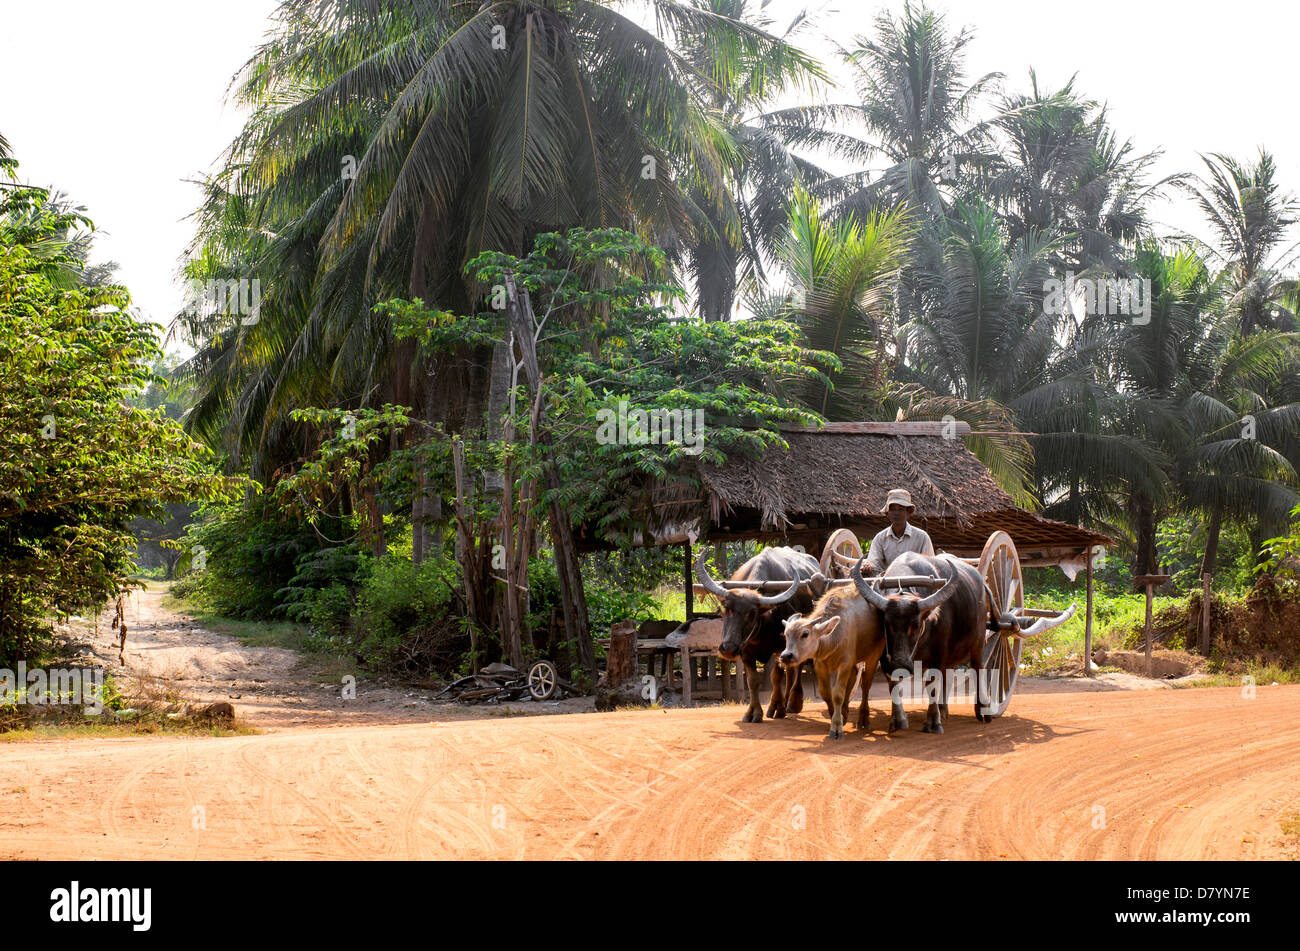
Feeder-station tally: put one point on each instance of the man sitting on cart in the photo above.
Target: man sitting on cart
(899, 537)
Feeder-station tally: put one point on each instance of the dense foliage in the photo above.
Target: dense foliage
(77, 463)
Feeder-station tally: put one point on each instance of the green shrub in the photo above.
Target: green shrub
(394, 598)
(250, 553)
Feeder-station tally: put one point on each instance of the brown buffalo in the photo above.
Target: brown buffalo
(841, 634)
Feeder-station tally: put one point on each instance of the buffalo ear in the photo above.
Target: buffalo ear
(935, 612)
(786, 622)
(828, 625)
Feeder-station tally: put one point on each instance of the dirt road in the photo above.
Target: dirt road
(1195, 773)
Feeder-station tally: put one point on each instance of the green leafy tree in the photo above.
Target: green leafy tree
(77, 463)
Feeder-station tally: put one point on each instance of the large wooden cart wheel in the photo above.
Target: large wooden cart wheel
(1004, 595)
(845, 544)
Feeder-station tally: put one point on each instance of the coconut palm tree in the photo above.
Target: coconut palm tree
(1060, 169)
(1237, 464)
(728, 242)
(841, 275)
(1249, 214)
(1188, 386)
(391, 142)
(916, 107)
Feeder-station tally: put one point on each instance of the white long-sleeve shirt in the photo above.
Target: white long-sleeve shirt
(887, 546)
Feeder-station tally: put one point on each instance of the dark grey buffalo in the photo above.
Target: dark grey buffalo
(941, 629)
(751, 622)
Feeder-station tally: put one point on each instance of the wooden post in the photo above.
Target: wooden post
(621, 683)
(1205, 615)
(1150, 582)
(1149, 590)
(687, 679)
(686, 573)
(620, 662)
(1087, 624)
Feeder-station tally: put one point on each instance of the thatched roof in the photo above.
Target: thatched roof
(839, 477)
(850, 474)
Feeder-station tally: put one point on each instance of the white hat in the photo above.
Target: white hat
(899, 496)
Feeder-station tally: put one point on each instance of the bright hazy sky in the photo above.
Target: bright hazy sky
(119, 102)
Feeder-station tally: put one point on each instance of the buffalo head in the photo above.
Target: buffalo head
(743, 611)
(903, 615)
(803, 634)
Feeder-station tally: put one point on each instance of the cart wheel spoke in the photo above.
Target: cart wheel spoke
(999, 566)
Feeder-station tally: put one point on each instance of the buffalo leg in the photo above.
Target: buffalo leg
(754, 714)
(836, 706)
(824, 688)
(794, 690)
(776, 707)
(938, 702)
(898, 716)
(841, 696)
(976, 659)
(864, 680)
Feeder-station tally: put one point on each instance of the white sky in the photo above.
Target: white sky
(118, 102)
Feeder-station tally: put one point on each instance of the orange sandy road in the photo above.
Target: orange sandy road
(1197, 773)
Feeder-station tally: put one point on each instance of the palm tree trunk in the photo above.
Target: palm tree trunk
(1147, 561)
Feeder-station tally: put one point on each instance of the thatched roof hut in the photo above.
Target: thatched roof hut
(838, 477)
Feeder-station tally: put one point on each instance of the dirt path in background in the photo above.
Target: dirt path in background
(271, 688)
(1166, 774)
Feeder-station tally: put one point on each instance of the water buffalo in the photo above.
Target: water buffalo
(842, 632)
(941, 630)
(751, 622)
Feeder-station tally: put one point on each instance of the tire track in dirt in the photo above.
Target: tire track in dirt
(1196, 773)
(127, 787)
(340, 836)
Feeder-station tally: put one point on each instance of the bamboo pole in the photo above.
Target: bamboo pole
(687, 577)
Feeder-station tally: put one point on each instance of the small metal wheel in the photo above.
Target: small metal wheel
(1005, 599)
(840, 553)
(543, 680)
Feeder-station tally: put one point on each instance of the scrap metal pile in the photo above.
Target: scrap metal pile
(498, 682)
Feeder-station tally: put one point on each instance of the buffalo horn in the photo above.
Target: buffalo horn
(707, 579)
(1047, 623)
(785, 595)
(940, 596)
(874, 597)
